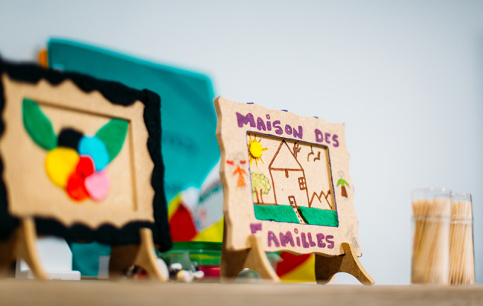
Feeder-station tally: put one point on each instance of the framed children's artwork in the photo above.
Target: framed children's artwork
(80, 159)
(287, 187)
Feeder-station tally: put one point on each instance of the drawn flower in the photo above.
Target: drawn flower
(74, 161)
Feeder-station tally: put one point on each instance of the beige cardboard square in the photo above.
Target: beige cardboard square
(31, 193)
(301, 162)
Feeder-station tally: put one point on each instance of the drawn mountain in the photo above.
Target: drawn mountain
(321, 197)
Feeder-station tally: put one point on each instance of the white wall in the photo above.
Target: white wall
(404, 76)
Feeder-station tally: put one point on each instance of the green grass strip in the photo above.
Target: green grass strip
(317, 216)
(279, 213)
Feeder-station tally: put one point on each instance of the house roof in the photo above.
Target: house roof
(284, 159)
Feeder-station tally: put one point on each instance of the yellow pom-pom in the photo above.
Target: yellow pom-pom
(256, 149)
(59, 165)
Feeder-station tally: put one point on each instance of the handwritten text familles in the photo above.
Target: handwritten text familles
(295, 238)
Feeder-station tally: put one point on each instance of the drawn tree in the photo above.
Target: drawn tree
(261, 185)
(342, 183)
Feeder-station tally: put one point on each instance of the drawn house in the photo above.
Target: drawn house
(288, 178)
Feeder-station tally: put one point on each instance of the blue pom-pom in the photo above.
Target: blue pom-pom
(95, 148)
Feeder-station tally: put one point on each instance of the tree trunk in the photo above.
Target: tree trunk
(256, 193)
(261, 196)
(343, 191)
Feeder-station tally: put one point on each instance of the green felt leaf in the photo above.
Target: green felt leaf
(38, 126)
(280, 213)
(113, 135)
(317, 216)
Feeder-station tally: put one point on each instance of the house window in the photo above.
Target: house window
(302, 183)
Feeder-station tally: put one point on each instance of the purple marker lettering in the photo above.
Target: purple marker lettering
(255, 227)
(336, 142)
(287, 238)
(299, 133)
(276, 126)
(311, 242)
(272, 238)
(242, 120)
(327, 138)
(319, 137)
(320, 240)
(288, 129)
(260, 124)
(298, 241)
(329, 241)
(305, 244)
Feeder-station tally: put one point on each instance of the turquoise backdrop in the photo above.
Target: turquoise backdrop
(188, 117)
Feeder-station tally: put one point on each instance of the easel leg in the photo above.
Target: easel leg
(7, 254)
(21, 245)
(233, 262)
(27, 250)
(327, 267)
(142, 255)
(122, 257)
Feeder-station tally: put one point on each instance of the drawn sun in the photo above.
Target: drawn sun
(255, 149)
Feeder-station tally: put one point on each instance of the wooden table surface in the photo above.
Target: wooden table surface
(85, 292)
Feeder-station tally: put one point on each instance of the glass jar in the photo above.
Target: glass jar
(462, 259)
(431, 236)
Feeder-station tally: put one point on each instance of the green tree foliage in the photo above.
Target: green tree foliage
(342, 182)
(260, 182)
(261, 185)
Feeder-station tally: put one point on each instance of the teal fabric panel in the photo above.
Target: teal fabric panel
(86, 257)
(190, 148)
(189, 145)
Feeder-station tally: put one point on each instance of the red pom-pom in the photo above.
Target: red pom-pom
(85, 167)
(75, 187)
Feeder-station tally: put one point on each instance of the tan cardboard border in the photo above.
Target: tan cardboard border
(238, 202)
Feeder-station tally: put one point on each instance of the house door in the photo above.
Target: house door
(291, 200)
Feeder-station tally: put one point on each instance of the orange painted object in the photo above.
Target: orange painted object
(43, 58)
(241, 178)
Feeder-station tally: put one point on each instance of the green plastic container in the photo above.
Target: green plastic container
(205, 256)
(193, 253)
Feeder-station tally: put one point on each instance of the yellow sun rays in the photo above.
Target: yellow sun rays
(255, 149)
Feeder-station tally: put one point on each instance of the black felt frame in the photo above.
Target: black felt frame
(117, 94)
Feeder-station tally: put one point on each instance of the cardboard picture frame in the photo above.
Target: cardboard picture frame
(131, 210)
(287, 187)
